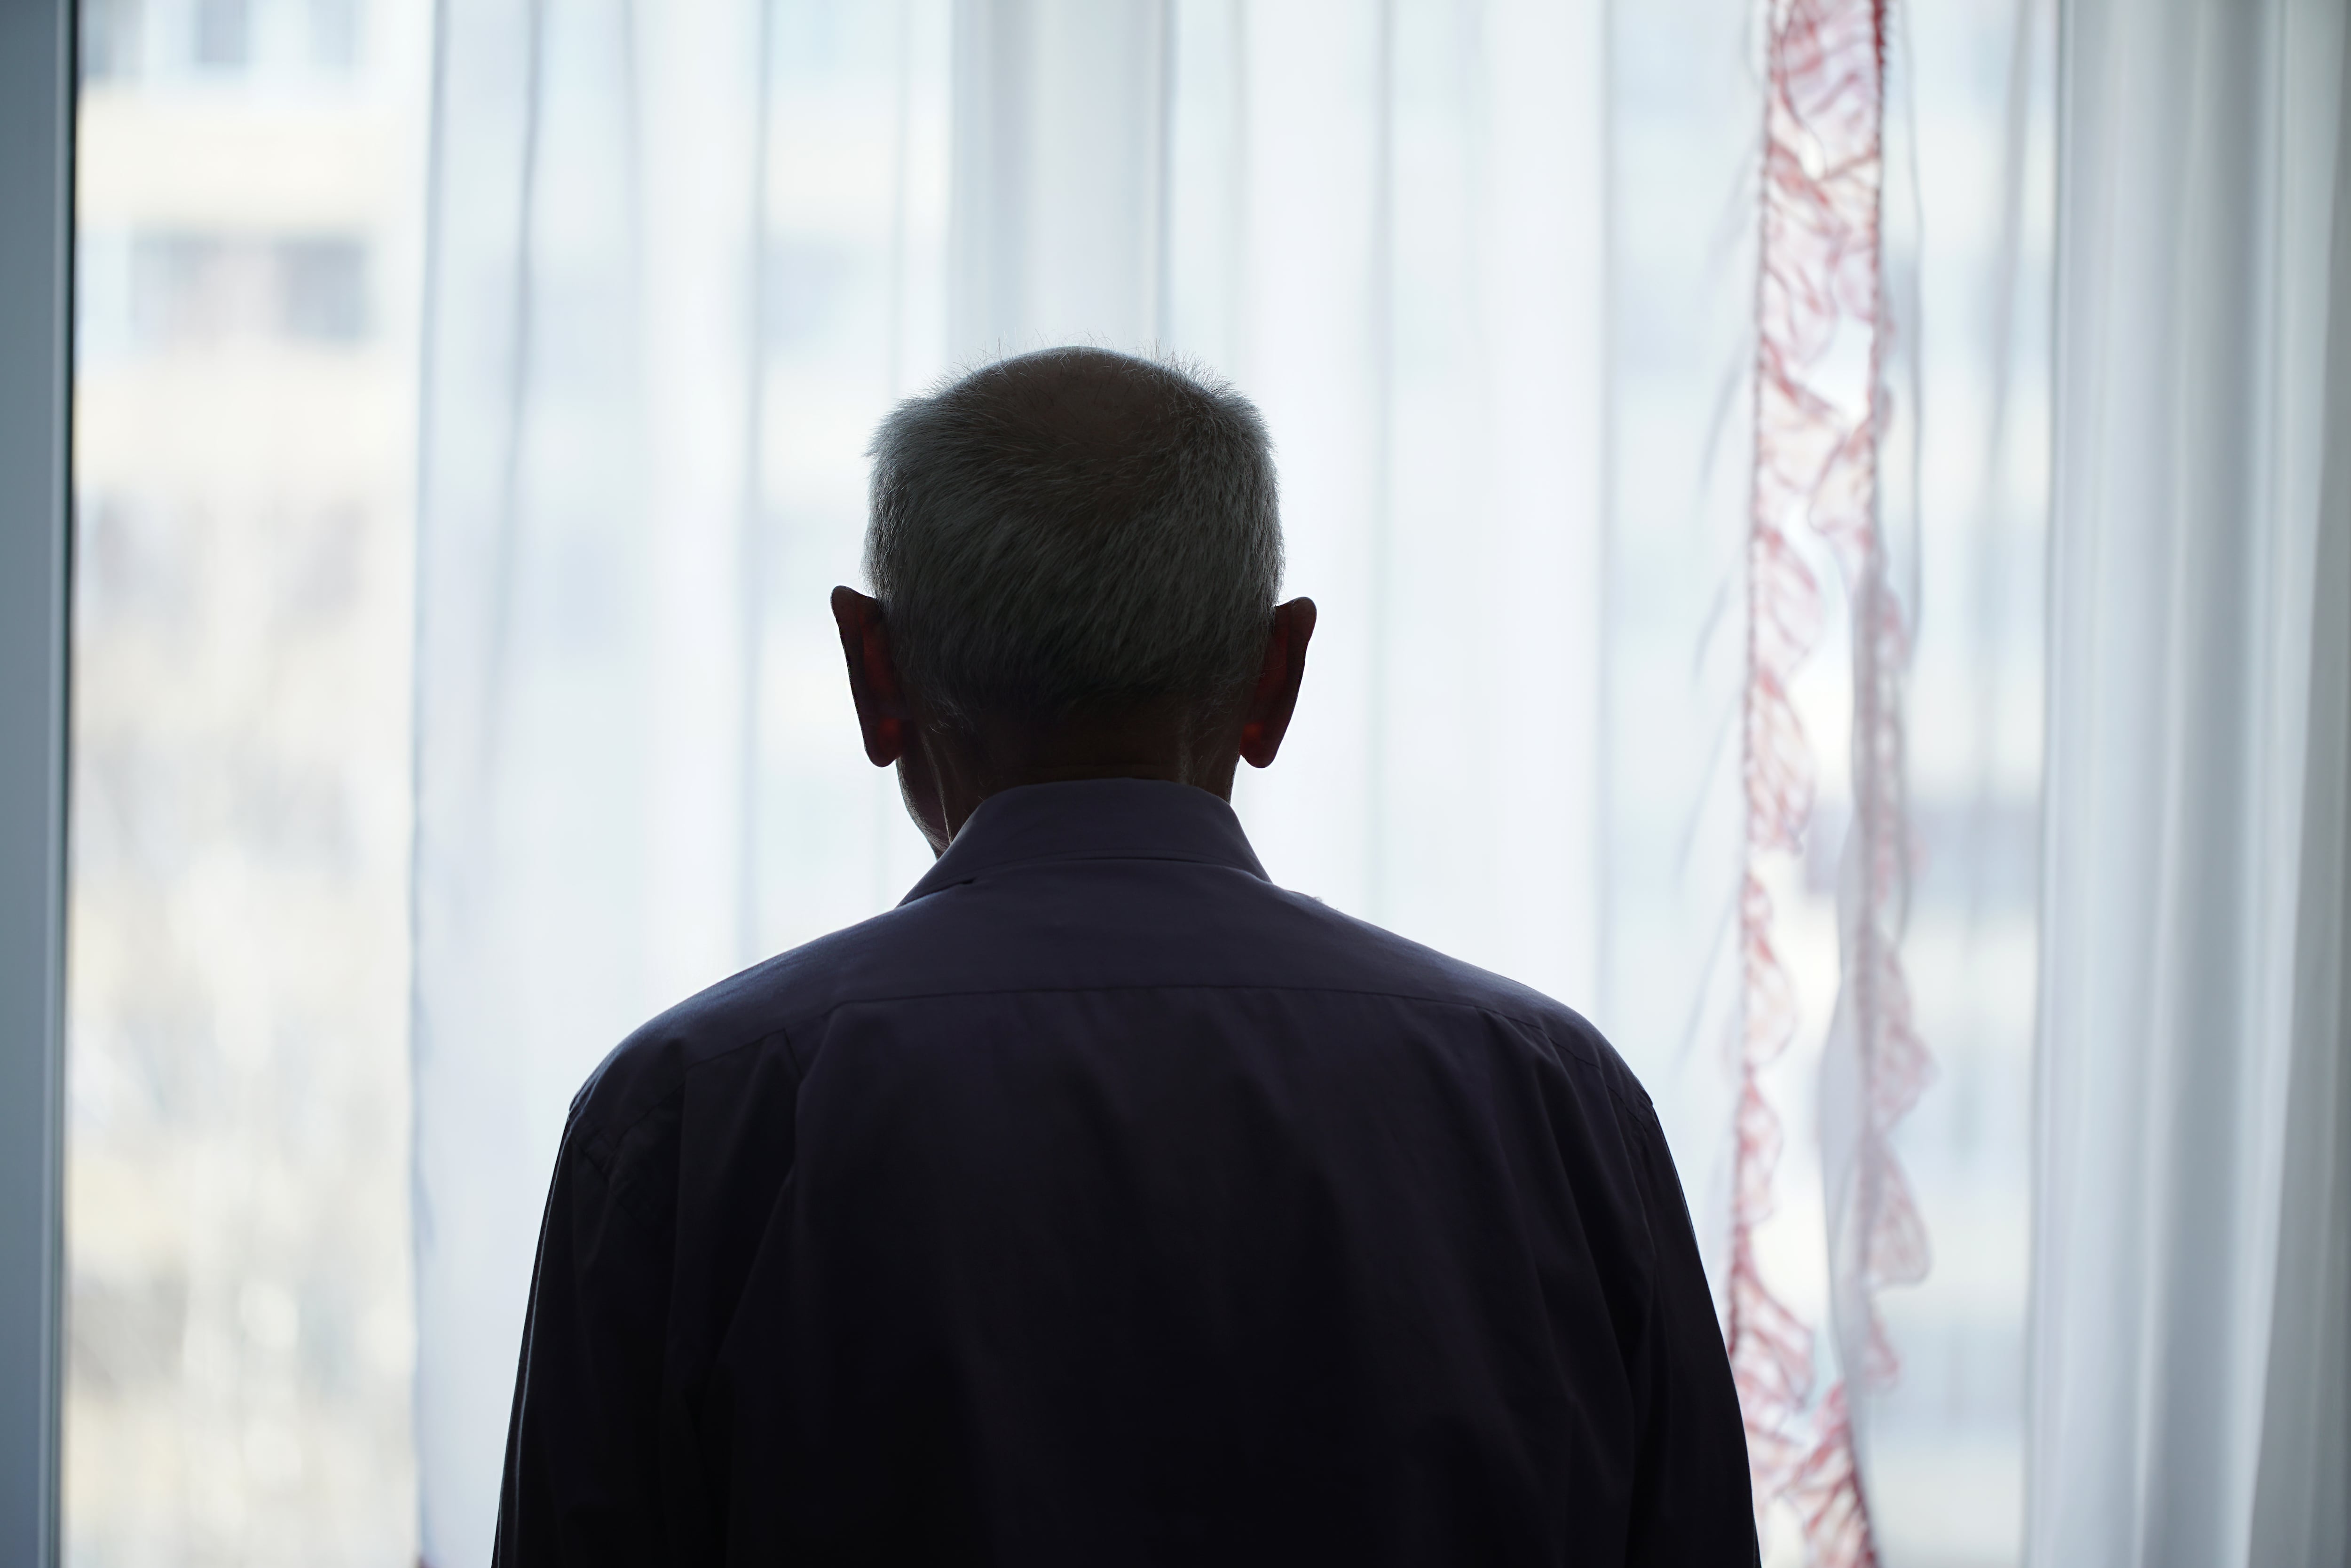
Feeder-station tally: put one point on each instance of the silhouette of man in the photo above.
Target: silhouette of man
(1104, 1203)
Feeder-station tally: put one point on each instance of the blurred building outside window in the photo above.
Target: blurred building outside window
(239, 1315)
(222, 33)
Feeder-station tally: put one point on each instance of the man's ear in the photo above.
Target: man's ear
(881, 712)
(1276, 698)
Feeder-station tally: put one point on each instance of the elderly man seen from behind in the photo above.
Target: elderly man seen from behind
(1102, 1203)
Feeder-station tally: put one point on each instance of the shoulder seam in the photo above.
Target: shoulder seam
(803, 1021)
(610, 1135)
(965, 991)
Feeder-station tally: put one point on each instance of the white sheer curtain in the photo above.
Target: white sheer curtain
(583, 626)
(1940, 1451)
(2189, 1391)
(1488, 266)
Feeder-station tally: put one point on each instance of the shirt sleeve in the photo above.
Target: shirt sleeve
(583, 1482)
(1692, 1498)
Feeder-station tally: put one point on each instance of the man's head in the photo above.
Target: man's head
(1075, 556)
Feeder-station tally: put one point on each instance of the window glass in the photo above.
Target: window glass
(110, 38)
(223, 33)
(239, 1302)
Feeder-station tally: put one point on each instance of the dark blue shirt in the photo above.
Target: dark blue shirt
(1105, 1204)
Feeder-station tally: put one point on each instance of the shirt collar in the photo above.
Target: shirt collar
(1093, 818)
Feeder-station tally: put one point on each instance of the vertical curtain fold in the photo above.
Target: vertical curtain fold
(2302, 1498)
(581, 736)
(1061, 159)
(2193, 795)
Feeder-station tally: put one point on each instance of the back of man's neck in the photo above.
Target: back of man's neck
(974, 765)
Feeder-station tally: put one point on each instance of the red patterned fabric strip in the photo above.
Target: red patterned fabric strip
(1817, 429)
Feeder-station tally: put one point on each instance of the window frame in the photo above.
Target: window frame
(36, 149)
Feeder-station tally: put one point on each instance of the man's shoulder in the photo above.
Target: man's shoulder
(1395, 965)
(752, 1010)
(1239, 932)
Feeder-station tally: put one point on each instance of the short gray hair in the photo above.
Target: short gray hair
(1074, 531)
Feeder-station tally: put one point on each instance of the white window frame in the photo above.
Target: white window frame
(37, 105)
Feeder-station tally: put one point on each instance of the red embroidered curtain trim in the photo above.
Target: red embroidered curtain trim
(1820, 276)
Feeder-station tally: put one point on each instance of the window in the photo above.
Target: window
(322, 289)
(110, 38)
(334, 34)
(238, 1292)
(1456, 419)
(189, 291)
(222, 33)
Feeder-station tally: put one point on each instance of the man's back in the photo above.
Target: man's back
(1104, 1203)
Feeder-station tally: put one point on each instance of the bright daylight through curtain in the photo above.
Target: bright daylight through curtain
(622, 287)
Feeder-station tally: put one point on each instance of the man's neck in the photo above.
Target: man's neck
(965, 766)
